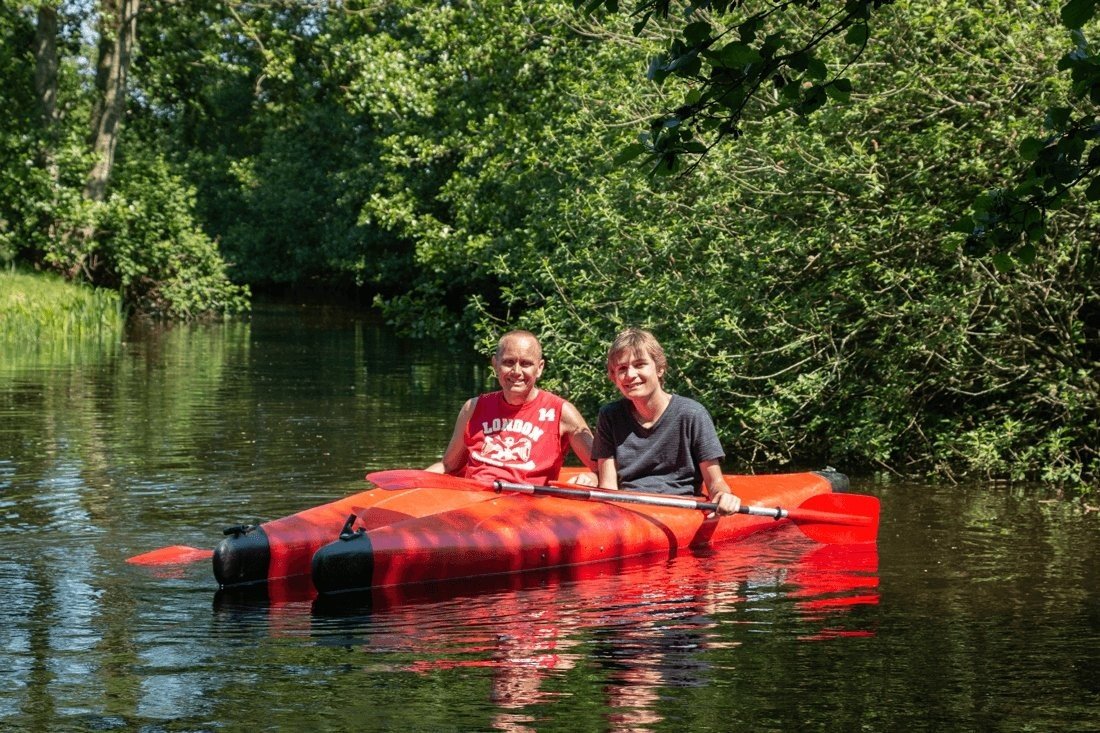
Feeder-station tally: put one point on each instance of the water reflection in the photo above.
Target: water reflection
(639, 628)
(108, 449)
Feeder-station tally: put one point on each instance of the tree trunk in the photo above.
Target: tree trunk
(46, 64)
(117, 38)
(46, 67)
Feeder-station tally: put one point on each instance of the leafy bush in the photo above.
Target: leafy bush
(153, 249)
(805, 281)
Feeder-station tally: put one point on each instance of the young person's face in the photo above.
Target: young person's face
(635, 374)
(518, 367)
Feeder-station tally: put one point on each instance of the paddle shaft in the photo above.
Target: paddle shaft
(677, 502)
(603, 495)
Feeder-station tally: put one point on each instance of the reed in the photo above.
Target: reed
(42, 308)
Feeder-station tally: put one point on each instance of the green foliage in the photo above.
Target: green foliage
(294, 218)
(252, 106)
(153, 250)
(742, 66)
(804, 284)
(808, 293)
(1008, 222)
(15, 93)
(463, 160)
(35, 205)
(468, 102)
(144, 239)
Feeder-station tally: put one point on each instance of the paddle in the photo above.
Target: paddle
(829, 518)
(173, 555)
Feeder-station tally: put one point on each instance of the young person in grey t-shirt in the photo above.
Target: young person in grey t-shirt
(652, 440)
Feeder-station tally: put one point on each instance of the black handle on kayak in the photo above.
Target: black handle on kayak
(346, 533)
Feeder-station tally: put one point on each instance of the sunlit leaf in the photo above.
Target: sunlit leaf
(857, 34)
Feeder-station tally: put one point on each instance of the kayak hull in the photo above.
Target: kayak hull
(515, 533)
(379, 538)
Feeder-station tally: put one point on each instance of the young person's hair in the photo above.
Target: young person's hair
(639, 341)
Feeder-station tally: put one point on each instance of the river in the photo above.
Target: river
(977, 610)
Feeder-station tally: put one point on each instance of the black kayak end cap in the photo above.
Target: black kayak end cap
(242, 557)
(344, 565)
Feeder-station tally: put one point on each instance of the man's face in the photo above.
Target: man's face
(518, 367)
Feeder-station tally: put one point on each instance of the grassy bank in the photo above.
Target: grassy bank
(41, 307)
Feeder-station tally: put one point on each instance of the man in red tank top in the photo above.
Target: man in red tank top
(520, 432)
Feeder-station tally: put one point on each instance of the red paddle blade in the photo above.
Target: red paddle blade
(173, 555)
(408, 478)
(838, 518)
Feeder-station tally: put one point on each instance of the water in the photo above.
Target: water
(978, 610)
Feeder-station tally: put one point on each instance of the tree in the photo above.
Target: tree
(71, 210)
(803, 280)
(467, 104)
(742, 66)
(251, 100)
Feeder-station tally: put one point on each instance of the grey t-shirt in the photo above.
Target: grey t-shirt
(665, 458)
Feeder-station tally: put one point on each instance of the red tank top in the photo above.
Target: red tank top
(521, 443)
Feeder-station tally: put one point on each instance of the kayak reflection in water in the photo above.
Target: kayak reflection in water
(519, 433)
(652, 440)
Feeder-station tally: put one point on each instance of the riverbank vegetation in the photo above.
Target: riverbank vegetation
(39, 309)
(463, 163)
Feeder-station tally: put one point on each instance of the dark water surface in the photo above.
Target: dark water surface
(978, 610)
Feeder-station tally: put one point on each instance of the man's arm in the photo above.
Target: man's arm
(579, 434)
(454, 457)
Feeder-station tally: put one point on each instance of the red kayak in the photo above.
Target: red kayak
(426, 528)
(823, 580)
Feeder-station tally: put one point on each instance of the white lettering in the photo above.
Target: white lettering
(546, 414)
(512, 426)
